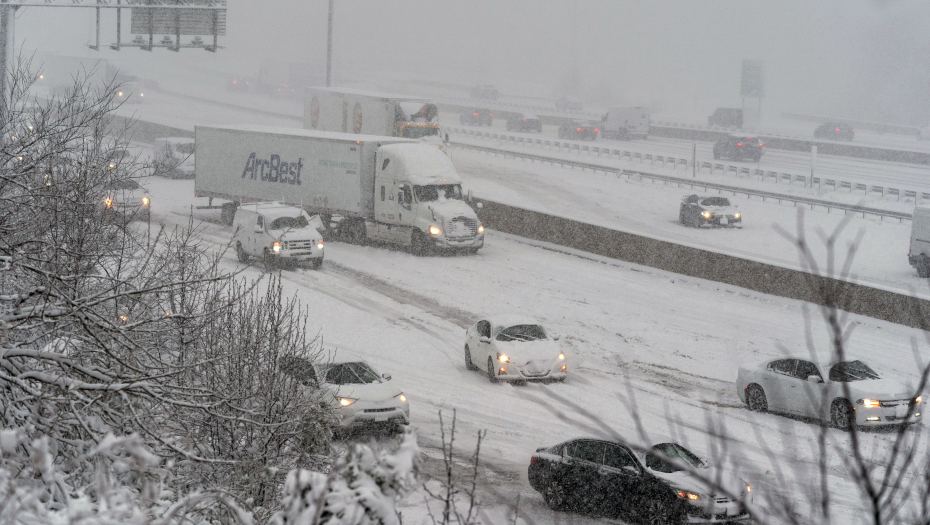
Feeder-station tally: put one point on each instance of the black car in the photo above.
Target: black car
(835, 131)
(477, 117)
(697, 211)
(726, 118)
(578, 129)
(608, 478)
(738, 147)
(521, 122)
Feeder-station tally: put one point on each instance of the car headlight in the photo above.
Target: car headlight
(736, 215)
(108, 202)
(869, 402)
(689, 495)
(705, 214)
(748, 487)
(480, 228)
(503, 358)
(145, 201)
(434, 230)
(561, 357)
(401, 397)
(276, 247)
(917, 399)
(345, 401)
(319, 244)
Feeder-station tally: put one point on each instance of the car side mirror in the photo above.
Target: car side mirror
(484, 339)
(387, 377)
(259, 229)
(815, 379)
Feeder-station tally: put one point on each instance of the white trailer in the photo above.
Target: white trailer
(385, 189)
(624, 123)
(347, 110)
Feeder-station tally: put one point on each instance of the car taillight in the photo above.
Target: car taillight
(852, 129)
(837, 129)
(578, 129)
(475, 114)
(491, 115)
(760, 144)
(739, 143)
(595, 129)
(534, 459)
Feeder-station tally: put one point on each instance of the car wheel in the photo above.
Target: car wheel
(681, 217)
(923, 267)
(240, 253)
(696, 222)
(555, 496)
(755, 398)
(492, 377)
(659, 513)
(269, 260)
(842, 416)
(468, 363)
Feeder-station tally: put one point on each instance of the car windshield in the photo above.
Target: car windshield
(715, 201)
(351, 374)
(849, 371)
(438, 192)
(289, 223)
(672, 451)
(187, 149)
(127, 184)
(522, 332)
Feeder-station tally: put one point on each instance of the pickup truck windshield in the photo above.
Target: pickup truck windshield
(438, 192)
(289, 223)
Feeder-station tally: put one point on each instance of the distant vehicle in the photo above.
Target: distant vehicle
(514, 349)
(569, 103)
(131, 93)
(477, 117)
(624, 123)
(738, 148)
(278, 234)
(696, 210)
(726, 118)
(835, 131)
(285, 79)
(359, 395)
(923, 133)
(127, 200)
(174, 157)
(524, 122)
(801, 387)
(612, 479)
(347, 110)
(240, 84)
(919, 254)
(486, 92)
(578, 129)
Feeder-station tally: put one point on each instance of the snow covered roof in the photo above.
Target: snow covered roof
(299, 132)
(273, 210)
(424, 164)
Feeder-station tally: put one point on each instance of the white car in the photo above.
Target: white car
(359, 395)
(174, 157)
(278, 234)
(800, 387)
(514, 349)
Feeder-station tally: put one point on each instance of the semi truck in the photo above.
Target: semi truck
(364, 187)
(348, 110)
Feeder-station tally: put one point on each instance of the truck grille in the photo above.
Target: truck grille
(461, 227)
(300, 245)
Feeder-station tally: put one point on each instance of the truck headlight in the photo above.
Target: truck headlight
(736, 215)
(434, 230)
(401, 397)
(276, 247)
(319, 244)
(480, 228)
(705, 214)
(345, 401)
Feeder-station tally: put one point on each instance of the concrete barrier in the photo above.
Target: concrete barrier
(761, 277)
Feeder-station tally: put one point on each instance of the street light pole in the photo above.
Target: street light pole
(329, 47)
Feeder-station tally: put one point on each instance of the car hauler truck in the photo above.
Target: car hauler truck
(351, 111)
(384, 189)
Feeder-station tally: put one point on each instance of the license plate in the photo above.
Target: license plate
(723, 220)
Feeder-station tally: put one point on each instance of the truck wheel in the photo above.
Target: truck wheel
(420, 244)
(269, 260)
(923, 267)
(240, 253)
(681, 217)
(316, 264)
(842, 415)
(228, 213)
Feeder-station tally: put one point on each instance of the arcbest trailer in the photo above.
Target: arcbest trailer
(352, 111)
(366, 188)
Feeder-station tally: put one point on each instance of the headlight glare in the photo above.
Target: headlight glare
(433, 230)
(869, 402)
(561, 357)
(917, 399)
(480, 228)
(688, 495)
(401, 397)
(345, 401)
(145, 201)
(503, 358)
(705, 214)
(276, 246)
(736, 215)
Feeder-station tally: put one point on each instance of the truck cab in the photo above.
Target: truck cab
(278, 234)
(418, 201)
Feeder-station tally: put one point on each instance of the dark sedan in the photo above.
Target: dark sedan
(610, 479)
(738, 147)
(521, 122)
(835, 131)
(577, 129)
(477, 117)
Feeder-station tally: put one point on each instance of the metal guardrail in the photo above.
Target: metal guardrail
(864, 210)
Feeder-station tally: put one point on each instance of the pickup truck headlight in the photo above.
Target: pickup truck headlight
(319, 244)
(401, 397)
(480, 228)
(705, 214)
(276, 246)
(434, 230)
(736, 215)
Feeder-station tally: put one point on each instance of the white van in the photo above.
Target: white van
(625, 123)
(174, 157)
(919, 256)
(278, 234)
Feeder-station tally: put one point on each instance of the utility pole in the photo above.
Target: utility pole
(7, 17)
(329, 47)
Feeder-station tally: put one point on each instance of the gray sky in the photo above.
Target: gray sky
(856, 58)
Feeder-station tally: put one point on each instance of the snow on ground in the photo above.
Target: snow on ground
(673, 343)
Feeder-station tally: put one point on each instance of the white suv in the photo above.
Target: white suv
(278, 234)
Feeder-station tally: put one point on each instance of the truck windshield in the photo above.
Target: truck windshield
(289, 223)
(438, 192)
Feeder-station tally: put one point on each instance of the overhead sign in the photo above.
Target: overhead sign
(753, 79)
(167, 21)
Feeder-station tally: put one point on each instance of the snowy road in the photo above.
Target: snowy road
(673, 343)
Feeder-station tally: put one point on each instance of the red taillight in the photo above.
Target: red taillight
(475, 114)
(578, 129)
(534, 459)
(760, 144)
(595, 129)
(837, 129)
(491, 115)
(739, 143)
(852, 129)
(234, 81)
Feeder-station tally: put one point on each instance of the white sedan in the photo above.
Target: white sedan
(359, 395)
(514, 349)
(846, 393)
